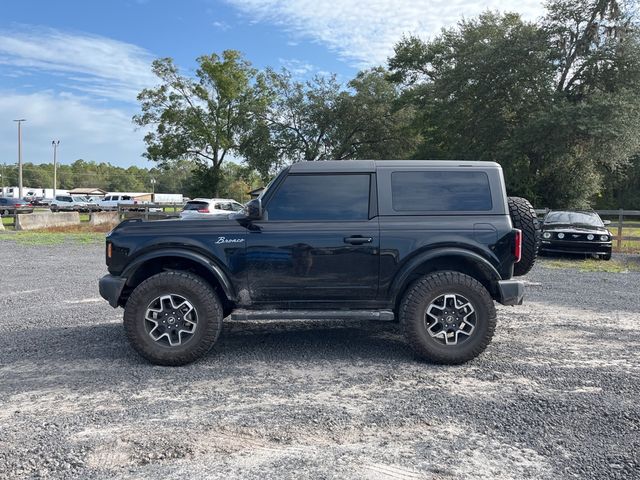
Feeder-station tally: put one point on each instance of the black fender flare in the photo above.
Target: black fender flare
(202, 260)
(401, 278)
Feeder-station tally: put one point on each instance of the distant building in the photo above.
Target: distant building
(88, 192)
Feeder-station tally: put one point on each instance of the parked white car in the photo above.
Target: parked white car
(69, 203)
(111, 202)
(210, 207)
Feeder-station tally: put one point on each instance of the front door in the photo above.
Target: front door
(317, 241)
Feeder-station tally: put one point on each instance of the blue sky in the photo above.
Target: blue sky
(72, 68)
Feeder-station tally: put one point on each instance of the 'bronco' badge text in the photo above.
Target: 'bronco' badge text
(229, 240)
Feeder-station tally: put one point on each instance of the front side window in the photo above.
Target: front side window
(321, 197)
(441, 191)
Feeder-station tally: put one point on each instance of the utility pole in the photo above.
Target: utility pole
(55, 144)
(20, 155)
(153, 186)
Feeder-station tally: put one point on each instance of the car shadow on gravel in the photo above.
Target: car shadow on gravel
(239, 342)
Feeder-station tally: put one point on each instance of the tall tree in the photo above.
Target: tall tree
(556, 103)
(202, 119)
(320, 120)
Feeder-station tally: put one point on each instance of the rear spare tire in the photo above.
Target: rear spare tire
(524, 218)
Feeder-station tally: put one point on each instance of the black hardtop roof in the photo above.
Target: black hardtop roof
(372, 165)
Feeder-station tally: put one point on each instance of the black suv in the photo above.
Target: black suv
(430, 244)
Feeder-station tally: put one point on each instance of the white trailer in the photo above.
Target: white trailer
(168, 198)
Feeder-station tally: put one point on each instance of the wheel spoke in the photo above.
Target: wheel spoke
(450, 319)
(170, 319)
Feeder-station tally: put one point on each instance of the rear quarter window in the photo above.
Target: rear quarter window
(440, 191)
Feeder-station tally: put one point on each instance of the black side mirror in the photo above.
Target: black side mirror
(254, 209)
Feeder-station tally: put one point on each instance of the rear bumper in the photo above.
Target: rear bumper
(510, 292)
(110, 288)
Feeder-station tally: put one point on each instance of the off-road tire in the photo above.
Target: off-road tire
(199, 293)
(524, 218)
(419, 296)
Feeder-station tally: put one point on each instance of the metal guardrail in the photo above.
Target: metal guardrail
(149, 211)
(618, 222)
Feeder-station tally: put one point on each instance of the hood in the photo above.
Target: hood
(575, 229)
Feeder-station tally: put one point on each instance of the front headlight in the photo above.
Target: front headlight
(546, 235)
(604, 238)
(561, 235)
(590, 236)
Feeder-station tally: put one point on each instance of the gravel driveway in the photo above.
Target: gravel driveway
(556, 395)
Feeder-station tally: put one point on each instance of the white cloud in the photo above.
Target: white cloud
(363, 33)
(220, 25)
(85, 130)
(297, 68)
(97, 65)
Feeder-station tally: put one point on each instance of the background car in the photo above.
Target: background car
(111, 202)
(69, 203)
(577, 232)
(11, 206)
(210, 207)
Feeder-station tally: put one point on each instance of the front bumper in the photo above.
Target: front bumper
(110, 288)
(510, 292)
(583, 248)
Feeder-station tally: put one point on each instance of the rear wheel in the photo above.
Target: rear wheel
(524, 218)
(447, 317)
(173, 318)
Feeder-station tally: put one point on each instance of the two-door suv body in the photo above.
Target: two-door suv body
(430, 244)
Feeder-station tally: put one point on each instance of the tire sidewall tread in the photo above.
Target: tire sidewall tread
(199, 293)
(422, 292)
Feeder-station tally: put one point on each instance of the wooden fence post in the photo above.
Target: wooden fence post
(620, 220)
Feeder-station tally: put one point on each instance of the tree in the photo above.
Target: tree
(203, 119)
(551, 102)
(476, 88)
(320, 120)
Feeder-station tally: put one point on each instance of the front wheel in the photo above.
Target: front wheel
(173, 318)
(447, 317)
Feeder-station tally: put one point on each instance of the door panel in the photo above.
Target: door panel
(316, 242)
(313, 261)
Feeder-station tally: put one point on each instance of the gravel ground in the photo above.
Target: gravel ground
(556, 395)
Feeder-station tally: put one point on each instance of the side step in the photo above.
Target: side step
(382, 315)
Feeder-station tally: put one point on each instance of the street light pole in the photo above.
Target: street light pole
(20, 155)
(153, 186)
(55, 144)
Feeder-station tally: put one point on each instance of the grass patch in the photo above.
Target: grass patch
(79, 234)
(7, 221)
(615, 265)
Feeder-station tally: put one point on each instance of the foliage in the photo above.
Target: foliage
(320, 120)
(550, 101)
(202, 119)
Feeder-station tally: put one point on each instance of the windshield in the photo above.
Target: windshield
(573, 218)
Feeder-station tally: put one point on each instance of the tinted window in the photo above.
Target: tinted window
(440, 191)
(196, 206)
(321, 197)
(3, 201)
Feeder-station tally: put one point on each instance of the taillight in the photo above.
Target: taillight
(203, 210)
(517, 246)
(109, 250)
